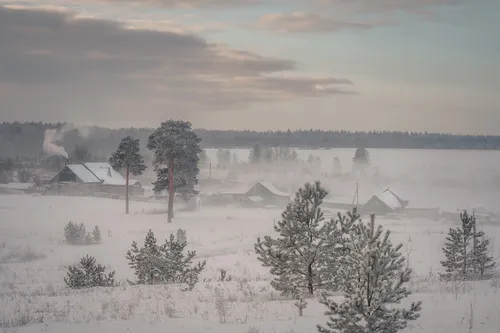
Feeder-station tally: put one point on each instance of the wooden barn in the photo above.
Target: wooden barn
(384, 203)
(94, 177)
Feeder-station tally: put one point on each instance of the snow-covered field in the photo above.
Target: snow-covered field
(36, 258)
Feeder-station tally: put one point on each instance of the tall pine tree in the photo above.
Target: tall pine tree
(127, 157)
(176, 150)
(301, 259)
(373, 277)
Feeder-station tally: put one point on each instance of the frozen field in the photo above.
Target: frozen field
(35, 257)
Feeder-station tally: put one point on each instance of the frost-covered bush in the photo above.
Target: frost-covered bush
(76, 234)
(88, 274)
(166, 263)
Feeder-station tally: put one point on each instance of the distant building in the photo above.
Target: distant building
(384, 203)
(262, 193)
(18, 187)
(99, 177)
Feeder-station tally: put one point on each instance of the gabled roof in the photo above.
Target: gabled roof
(101, 173)
(273, 189)
(105, 173)
(391, 199)
(245, 188)
(84, 174)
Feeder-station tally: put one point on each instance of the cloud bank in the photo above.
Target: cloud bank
(57, 65)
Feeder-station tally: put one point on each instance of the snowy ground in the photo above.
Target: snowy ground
(35, 259)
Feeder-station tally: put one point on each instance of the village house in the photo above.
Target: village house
(94, 177)
(260, 194)
(385, 202)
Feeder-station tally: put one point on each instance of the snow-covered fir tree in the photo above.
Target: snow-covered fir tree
(164, 263)
(128, 157)
(96, 235)
(301, 258)
(361, 160)
(176, 150)
(373, 278)
(466, 252)
(484, 263)
(88, 274)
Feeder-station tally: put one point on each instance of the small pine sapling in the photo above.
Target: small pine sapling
(88, 274)
(484, 263)
(223, 273)
(301, 304)
(75, 234)
(96, 235)
(181, 235)
(88, 239)
(142, 260)
(466, 252)
(301, 258)
(167, 263)
(373, 278)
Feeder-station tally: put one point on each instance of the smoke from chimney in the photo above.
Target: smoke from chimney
(53, 136)
(50, 146)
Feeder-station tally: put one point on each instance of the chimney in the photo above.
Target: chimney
(66, 162)
(109, 172)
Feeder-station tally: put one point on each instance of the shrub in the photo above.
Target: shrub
(96, 234)
(88, 274)
(165, 263)
(77, 234)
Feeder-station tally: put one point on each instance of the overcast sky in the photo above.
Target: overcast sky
(417, 65)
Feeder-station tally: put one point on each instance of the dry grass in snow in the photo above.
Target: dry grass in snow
(34, 260)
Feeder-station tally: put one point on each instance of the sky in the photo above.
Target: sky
(412, 65)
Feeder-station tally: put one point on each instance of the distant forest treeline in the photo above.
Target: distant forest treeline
(26, 139)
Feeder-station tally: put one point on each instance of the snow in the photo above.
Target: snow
(32, 290)
(273, 189)
(83, 173)
(98, 172)
(106, 173)
(390, 200)
(17, 186)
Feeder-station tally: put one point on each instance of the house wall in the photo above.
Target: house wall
(66, 175)
(376, 206)
(269, 197)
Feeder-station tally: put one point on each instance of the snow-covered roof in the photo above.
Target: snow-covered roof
(95, 172)
(84, 174)
(391, 199)
(273, 189)
(105, 173)
(239, 189)
(17, 186)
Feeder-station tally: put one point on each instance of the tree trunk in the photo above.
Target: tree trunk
(126, 190)
(310, 285)
(171, 190)
(474, 245)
